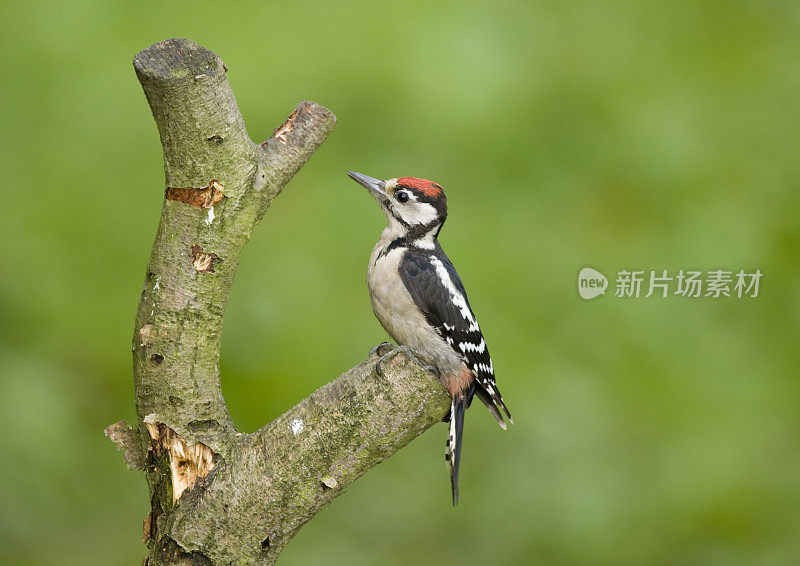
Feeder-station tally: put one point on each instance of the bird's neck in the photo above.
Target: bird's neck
(421, 236)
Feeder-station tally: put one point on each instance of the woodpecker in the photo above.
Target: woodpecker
(419, 299)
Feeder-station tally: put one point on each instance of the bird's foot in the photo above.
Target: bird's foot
(427, 367)
(385, 350)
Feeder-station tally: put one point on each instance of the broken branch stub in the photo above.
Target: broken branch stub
(187, 462)
(127, 439)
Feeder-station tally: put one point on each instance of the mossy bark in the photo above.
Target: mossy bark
(259, 488)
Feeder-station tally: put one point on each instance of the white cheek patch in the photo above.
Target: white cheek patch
(418, 213)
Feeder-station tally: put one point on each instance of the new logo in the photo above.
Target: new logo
(591, 283)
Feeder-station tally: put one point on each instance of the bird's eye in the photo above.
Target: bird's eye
(402, 197)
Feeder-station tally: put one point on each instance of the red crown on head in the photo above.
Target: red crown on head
(424, 186)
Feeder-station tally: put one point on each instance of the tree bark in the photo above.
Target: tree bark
(219, 496)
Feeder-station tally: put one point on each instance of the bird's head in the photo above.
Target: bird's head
(414, 208)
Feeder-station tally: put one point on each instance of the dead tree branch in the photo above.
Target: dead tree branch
(219, 496)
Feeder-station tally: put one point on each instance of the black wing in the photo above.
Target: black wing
(436, 288)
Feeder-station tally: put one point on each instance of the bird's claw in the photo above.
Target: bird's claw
(379, 349)
(434, 370)
(378, 368)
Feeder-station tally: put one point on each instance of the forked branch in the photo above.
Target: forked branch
(219, 496)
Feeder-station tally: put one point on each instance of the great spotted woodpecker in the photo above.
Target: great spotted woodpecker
(419, 299)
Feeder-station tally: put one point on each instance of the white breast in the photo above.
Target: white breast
(400, 316)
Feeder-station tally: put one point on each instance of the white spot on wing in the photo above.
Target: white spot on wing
(470, 347)
(457, 298)
(210, 217)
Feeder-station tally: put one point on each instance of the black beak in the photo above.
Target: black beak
(374, 186)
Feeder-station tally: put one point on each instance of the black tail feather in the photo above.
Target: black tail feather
(457, 408)
(486, 399)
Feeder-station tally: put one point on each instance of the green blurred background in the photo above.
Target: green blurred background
(649, 135)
